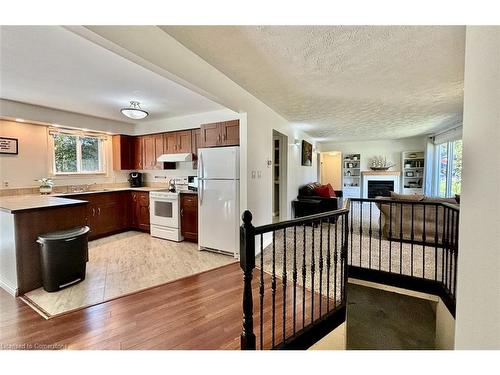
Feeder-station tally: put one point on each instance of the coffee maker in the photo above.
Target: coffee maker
(135, 179)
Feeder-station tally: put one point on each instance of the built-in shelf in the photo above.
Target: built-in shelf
(351, 175)
(412, 171)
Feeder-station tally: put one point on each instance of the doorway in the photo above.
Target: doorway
(331, 169)
(280, 155)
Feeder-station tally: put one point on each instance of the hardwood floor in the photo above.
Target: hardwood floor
(199, 312)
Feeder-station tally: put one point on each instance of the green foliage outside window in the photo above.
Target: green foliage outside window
(74, 154)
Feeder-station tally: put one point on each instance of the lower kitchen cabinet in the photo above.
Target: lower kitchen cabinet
(113, 212)
(140, 210)
(189, 217)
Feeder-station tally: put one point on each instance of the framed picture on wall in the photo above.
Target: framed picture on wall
(307, 152)
(8, 146)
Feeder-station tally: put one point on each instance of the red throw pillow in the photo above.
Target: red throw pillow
(322, 191)
(332, 192)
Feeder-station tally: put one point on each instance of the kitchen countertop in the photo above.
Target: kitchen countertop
(16, 203)
(188, 192)
(13, 204)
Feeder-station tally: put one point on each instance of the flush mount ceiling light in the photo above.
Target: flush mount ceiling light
(134, 111)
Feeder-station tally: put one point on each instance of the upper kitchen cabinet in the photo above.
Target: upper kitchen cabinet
(221, 134)
(177, 142)
(195, 145)
(152, 148)
(138, 154)
(184, 141)
(169, 143)
(123, 152)
(231, 133)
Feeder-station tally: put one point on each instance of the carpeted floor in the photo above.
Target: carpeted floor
(378, 319)
(368, 252)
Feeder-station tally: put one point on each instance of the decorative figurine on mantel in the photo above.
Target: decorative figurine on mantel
(380, 163)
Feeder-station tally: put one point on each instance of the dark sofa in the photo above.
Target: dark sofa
(309, 203)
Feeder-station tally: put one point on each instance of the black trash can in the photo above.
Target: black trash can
(63, 257)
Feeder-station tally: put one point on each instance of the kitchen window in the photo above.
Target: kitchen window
(77, 153)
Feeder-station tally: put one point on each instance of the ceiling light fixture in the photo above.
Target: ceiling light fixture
(134, 111)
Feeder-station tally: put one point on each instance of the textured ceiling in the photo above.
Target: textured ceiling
(343, 82)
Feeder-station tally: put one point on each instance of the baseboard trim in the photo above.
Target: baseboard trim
(12, 290)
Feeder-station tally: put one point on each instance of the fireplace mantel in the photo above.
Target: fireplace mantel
(381, 173)
(380, 176)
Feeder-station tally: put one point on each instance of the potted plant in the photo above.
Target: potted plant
(46, 185)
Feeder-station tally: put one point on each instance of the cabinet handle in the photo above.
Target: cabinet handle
(98, 210)
(93, 211)
(182, 211)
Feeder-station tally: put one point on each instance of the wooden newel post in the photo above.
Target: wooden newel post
(247, 264)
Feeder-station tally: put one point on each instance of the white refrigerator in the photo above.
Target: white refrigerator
(219, 199)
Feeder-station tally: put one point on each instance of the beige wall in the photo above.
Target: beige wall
(390, 148)
(478, 284)
(32, 162)
(331, 169)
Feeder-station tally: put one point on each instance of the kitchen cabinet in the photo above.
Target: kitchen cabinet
(225, 133)
(140, 210)
(107, 213)
(189, 217)
(123, 152)
(184, 141)
(169, 143)
(231, 133)
(210, 135)
(148, 152)
(177, 142)
(138, 153)
(195, 145)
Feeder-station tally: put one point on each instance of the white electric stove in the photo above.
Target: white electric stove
(165, 215)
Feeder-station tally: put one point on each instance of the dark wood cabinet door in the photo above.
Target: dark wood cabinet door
(184, 141)
(159, 150)
(143, 211)
(123, 152)
(169, 143)
(211, 135)
(138, 153)
(195, 145)
(149, 152)
(230, 133)
(189, 217)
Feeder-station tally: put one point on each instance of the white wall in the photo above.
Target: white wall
(478, 284)
(391, 148)
(152, 48)
(32, 162)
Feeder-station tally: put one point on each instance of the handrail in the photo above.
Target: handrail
(412, 245)
(320, 264)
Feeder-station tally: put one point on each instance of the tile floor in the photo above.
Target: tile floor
(123, 264)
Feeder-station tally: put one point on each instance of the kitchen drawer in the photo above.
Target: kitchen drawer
(189, 200)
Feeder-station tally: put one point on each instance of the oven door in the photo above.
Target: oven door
(165, 212)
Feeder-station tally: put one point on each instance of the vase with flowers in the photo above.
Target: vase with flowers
(46, 185)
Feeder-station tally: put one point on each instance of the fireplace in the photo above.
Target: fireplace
(380, 188)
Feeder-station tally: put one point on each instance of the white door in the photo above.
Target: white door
(219, 163)
(218, 215)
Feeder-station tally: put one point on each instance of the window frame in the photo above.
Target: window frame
(78, 134)
(450, 155)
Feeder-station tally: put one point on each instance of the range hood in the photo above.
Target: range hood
(172, 158)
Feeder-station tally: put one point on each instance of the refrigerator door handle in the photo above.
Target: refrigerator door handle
(200, 165)
(201, 192)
